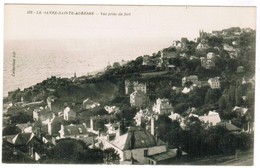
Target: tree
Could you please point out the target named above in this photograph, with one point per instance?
(111, 156)
(128, 112)
(232, 95)
(222, 102)
(215, 41)
(73, 151)
(11, 130)
(181, 107)
(90, 156)
(231, 65)
(214, 135)
(193, 64)
(212, 95)
(20, 118)
(98, 111)
(164, 127)
(192, 137)
(227, 143)
(163, 92)
(66, 149)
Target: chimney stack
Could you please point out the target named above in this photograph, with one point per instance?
(91, 124)
(49, 127)
(93, 142)
(120, 128)
(152, 125)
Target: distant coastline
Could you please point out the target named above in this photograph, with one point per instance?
(43, 58)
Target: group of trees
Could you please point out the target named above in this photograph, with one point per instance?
(200, 139)
(108, 87)
(76, 152)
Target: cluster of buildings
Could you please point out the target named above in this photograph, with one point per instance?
(179, 48)
(213, 83)
(134, 144)
(138, 96)
(137, 144)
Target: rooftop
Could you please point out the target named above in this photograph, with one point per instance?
(229, 126)
(165, 155)
(75, 129)
(135, 138)
(20, 139)
(212, 117)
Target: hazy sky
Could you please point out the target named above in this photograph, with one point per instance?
(47, 44)
(144, 22)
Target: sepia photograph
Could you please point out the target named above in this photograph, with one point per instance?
(129, 84)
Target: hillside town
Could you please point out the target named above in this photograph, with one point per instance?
(190, 101)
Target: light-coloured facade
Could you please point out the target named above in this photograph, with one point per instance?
(134, 86)
(211, 55)
(212, 118)
(139, 99)
(42, 114)
(214, 83)
(162, 106)
(69, 114)
(140, 87)
(207, 63)
(192, 78)
(136, 144)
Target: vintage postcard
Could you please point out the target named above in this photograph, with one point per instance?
(136, 84)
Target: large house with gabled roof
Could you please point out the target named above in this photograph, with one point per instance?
(78, 132)
(137, 144)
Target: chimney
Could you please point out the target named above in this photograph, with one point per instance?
(49, 100)
(152, 126)
(61, 131)
(132, 158)
(99, 133)
(49, 127)
(93, 142)
(156, 134)
(84, 124)
(91, 124)
(120, 128)
(132, 140)
(229, 121)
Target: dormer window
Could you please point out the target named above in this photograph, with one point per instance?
(80, 130)
(69, 131)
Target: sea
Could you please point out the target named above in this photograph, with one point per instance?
(30, 61)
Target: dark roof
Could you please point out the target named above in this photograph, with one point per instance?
(165, 155)
(88, 102)
(56, 123)
(228, 126)
(75, 130)
(46, 113)
(23, 125)
(103, 117)
(135, 138)
(138, 93)
(58, 119)
(20, 139)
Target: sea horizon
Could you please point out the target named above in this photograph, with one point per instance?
(28, 62)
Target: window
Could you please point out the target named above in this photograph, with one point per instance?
(145, 152)
(80, 130)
